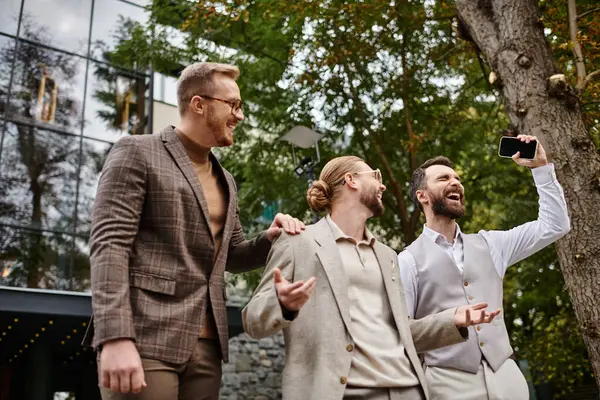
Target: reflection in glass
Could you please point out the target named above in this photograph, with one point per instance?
(34, 259)
(94, 155)
(6, 58)
(116, 103)
(63, 24)
(112, 18)
(47, 87)
(9, 17)
(81, 266)
(38, 177)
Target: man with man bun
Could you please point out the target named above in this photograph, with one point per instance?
(335, 292)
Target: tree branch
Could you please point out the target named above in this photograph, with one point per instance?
(588, 79)
(587, 13)
(577, 52)
(405, 100)
(481, 29)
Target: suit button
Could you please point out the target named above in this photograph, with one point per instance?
(478, 328)
(481, 344)
(343, 380)
(466, 283)
(470, 297)
(349, 347)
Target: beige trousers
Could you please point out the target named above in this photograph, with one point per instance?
(508, 383)
(357, 393)
(197, 379)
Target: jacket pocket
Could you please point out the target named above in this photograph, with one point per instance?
(152, 283)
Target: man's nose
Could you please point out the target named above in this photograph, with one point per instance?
(239, 115)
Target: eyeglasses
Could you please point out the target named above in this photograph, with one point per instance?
(236, 105)
(376, 174)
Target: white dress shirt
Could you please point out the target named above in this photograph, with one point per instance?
(506, 247)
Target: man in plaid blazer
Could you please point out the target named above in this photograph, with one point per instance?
(165, 227)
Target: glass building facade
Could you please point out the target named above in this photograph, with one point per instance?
(62, 106)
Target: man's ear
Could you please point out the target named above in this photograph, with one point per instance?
(422, 196)
(197, 105)
(349, 178)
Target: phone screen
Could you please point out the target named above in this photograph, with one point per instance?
(509, 146)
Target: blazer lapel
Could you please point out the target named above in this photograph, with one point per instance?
(227, 180)
(391, 276)
(175, 148)
(330, 259)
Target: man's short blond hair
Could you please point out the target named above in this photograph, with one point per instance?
(197, 79)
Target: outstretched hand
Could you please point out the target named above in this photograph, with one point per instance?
(474, 314)
(289, 224)
(292, 295)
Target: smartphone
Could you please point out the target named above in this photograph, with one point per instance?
(509, 146)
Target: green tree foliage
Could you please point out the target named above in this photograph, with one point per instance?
(393, 83)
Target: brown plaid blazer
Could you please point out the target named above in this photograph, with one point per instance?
(151, 250)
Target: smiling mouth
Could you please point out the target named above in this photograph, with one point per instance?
(454, 197)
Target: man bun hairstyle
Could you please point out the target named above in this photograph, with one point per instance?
(328, 187)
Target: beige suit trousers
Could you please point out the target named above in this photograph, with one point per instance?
(508, 383)
(358, 393)
(197, 379)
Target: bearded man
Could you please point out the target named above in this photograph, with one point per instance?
(446, 268)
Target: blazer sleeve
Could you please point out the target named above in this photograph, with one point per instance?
(263, 315)
(436, 330)
(246, 255)
(115, 220)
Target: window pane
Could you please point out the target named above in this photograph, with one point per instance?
(81, 266)
(111, 19)
(47, 88)
(63, 24)
(94, 155)
(9, 17)
(38, 170)
(34, 259)
(7, 51)
(116, 103)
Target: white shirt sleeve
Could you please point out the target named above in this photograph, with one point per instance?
(510, 247)
(410, 280)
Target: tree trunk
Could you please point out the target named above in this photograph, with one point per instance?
(509, 35)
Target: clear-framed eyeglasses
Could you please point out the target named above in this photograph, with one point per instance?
(376, 174)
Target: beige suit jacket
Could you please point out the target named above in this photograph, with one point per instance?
(318, 338)
(152, 253)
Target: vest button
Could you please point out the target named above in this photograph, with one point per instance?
(478, 328)
(349, 347)
(466, 283)
(343, 380)
(393, 278)
(481, 344)
(470, 297)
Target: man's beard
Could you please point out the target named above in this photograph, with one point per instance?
(441, 206)
(372, 202)
(218, 129)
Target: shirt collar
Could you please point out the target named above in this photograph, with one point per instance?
(438, 237)
(338, 234)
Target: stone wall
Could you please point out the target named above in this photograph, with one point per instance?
(254, 369)
(255, 366)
